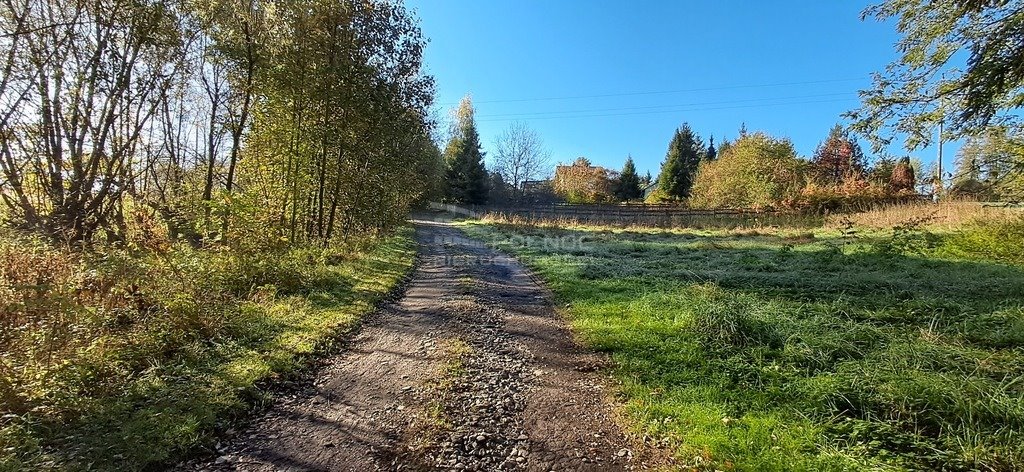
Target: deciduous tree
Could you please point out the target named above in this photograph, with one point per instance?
(520, 156)
(958, 64)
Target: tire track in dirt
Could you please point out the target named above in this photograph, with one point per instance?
(518, 395)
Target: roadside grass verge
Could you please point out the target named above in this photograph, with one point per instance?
(787, 349)
(130, 360)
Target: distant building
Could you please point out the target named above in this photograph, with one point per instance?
(534, 185)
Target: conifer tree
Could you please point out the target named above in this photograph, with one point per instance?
(838, 158)
(467, 178)
(712, 153)
(628, 187)
(681, 161)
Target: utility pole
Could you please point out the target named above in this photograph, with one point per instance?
(938, 178)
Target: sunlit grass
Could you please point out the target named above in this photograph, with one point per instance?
(789, 349)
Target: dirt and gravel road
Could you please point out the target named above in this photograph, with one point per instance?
(471, 369)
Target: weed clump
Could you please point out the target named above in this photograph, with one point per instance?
(726, 323)
(1000, 240)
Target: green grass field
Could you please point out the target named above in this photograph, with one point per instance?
(795, 350)
(127, 360)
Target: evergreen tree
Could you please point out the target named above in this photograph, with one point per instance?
(681, 161)
(499, 192)
(711, 153)
(743, 129)
(723, 148)
(647, 180)
(838, 158)
(628, 187)
(466, 177)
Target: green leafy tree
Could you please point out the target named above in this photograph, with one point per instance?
(681, 161)
(989, 166)
(466, 177)
(757, 171)
(628, 186)
(958, 64)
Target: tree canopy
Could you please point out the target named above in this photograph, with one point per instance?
(243, 118)
(756, 171)
(838, 158)
(959, 63)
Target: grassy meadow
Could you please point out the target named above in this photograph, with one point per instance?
(129, 359)
(886, 341)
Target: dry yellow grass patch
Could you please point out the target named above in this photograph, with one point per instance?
(949, 214)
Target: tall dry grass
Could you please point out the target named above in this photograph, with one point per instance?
(700, 222)
(945, 215)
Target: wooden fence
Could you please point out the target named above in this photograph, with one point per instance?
(619, 214)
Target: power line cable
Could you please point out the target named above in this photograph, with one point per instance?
(659, 92)
(591, 110)
(670, 111)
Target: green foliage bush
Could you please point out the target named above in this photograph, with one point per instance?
(757, 171)
(104, 350)
(1000, 240)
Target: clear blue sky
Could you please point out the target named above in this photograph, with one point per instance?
(605, 79)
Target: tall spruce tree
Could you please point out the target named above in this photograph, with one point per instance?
(467, 178)
(628, 187)
(681, 161)
(712, 153)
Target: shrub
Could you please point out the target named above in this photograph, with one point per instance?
(1001, 240)
(756, 171)
(851, 196)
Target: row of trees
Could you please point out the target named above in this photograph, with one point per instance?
(761, 171)
(241, 118)
(520, 158)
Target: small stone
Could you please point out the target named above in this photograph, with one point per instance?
(222, 460)
(622, 452)
(480, 437)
